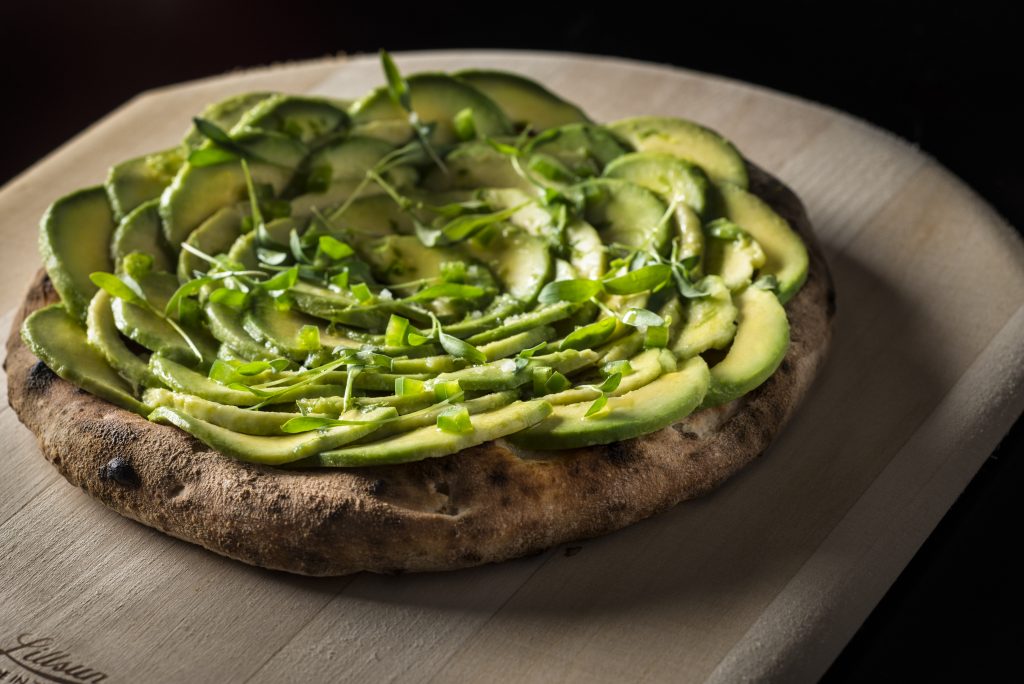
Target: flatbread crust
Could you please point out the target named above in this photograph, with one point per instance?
(484, 504)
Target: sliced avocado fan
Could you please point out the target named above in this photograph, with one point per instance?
(449, 260)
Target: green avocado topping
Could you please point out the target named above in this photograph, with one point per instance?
(452, 259)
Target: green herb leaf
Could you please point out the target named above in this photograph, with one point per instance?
(254, 200)
(540, 376)
(724, 229)
(642, 318)
(589, 336)
(550, 168)
(231, 298)
(210, 156)
(656, 336)
(137, 264)
(557, 383)
(449, 290)
(282, 282)
(447, 390)
(529, 352)
(767, 282)
(340, 280)
(271, 257)
(253, 368)
(397, 330)
(455, 419)
(223, 372)
(308, 424)
(507, 150)
(429, 237)
(596, 407)
(190, 288)
(610, 383)
(333, 247)
(460, 349)
(214, 133)
(405, 386)
(116, 287)
(361, 292)
(398, 88)
(464, 125)
(453, 271)
(622, 367)
(463, 227)
(309, 338)
(688, 289)
(295, 245)
(575, 290)
(640, 280)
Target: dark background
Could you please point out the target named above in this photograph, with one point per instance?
(948, 80)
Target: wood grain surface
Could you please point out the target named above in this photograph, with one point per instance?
(764, 579)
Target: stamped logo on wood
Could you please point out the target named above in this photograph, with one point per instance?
(31, 659)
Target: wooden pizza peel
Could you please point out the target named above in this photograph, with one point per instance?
(767, 578)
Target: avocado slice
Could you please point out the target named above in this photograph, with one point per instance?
(308, 119)
(103, 336)
(233, 418)
(199, 191)
(426, 417)
(669, 176)
(373, 216)
(518, 322)
(735, 260)
(279, 329)
(225, 113)
(225, 325)
(521, 262)
(526, 102)
(187, 381)
(142, 179)
(60, 342)
(670, 398)
(513, 344)
(584, 149)
(436, 99)
(715, 155)
(335, 406)
(272, 450)
(351, 157)
(144, 327)
(476, 164)
(142, 231)
(675, 181)
(708, 322)
(398, 132)
(762, 337)
(214, 236)
(785, 253)
(431, 442)
(74, 241)
(627, 214)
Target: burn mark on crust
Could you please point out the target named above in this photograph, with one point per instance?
(39, 377)
(620, 454)
(119, 469)
(498, 505)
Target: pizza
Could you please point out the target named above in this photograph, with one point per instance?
(453, 322)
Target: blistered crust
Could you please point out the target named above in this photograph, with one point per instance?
(484, 504)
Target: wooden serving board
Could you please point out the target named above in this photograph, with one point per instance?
(767, 578)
